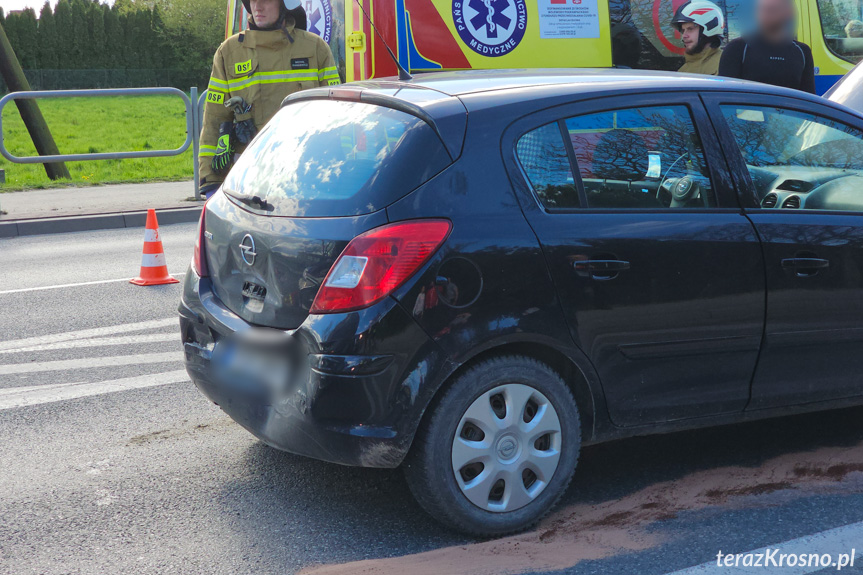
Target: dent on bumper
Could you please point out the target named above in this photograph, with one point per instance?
(290, 427)
(354, 401)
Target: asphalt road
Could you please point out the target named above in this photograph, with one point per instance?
(111, 461)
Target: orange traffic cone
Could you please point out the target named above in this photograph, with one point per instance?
(154, 269)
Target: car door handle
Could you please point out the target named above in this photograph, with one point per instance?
(600, 269)
(805, 267)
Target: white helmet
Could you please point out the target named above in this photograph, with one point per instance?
(703, 13)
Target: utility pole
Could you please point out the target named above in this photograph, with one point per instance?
(13, 75)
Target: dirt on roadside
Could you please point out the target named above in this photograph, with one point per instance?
(596, 531)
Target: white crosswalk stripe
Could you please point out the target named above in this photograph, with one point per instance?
(85, 350)
(87, 362)
(25, 396)
(88, 333)
(98, 342)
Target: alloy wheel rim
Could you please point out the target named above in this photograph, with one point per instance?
(506, 448)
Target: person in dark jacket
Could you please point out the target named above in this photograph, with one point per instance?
(771, 55)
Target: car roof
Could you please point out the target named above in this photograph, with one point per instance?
(443, 99)
(573, 80)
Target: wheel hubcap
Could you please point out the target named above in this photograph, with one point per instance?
(506, 448)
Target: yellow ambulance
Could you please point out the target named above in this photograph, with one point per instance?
(428, 35)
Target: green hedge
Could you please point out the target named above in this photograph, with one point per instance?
(84, 44)
(114, 78)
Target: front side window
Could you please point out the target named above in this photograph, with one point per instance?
(645, 157)
(842, 25)
(798, 160)
(543, 156)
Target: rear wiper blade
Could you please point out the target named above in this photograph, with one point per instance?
(258, 201)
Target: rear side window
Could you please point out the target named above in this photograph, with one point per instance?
(543, 156)
(321, 158)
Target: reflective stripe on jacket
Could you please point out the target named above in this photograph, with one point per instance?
(262, 66)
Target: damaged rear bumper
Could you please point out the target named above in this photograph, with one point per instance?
(357, 389)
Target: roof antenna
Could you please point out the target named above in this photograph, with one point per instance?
(404, 75)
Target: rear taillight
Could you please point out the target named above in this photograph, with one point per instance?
(199, 260)
(377, 262)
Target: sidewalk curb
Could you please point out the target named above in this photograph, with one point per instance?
(65, 224)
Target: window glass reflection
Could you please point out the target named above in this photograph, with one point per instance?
(798, 160)
(544, 158)
(331, 158)
(641, 158)
(842, 25)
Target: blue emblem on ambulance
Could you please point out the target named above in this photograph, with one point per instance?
(319, 16)
(490, 27)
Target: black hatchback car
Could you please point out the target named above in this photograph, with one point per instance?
(474, 274)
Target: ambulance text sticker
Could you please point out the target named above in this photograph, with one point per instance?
(568, 19)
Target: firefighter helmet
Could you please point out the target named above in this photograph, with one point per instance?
(293, 8)
(702, 13)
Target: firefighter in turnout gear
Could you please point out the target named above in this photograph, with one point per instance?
(253, 71)
(701, 25)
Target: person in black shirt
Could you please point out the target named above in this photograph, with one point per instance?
(771, 55)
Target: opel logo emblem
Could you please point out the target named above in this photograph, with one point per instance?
(247, 249)
(507, 448)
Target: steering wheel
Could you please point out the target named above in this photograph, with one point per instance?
(671, 167)
(681, 190)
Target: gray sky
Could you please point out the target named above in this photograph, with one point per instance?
(9, 5)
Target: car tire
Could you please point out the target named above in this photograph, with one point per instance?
(456, 497)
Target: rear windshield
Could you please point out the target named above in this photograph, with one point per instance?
(322, 158)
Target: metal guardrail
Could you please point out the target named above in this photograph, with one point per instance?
(197, 123)
(193, 105)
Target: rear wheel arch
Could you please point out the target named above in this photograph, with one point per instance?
(583, 389)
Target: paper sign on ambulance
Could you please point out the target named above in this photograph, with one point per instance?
(568, 19)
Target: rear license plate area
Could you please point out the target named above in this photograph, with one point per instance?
(252, 366)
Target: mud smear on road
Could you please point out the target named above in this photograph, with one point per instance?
(179, 433)
(597, 531)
